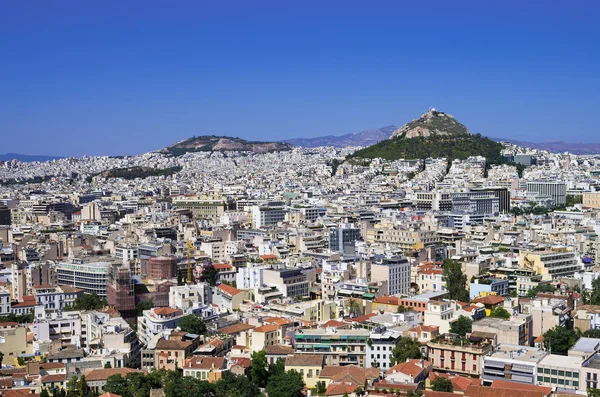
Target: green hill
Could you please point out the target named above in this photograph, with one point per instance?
(436, 146)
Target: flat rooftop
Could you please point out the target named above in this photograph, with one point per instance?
(519, 353)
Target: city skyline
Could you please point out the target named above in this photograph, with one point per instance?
(123, 80)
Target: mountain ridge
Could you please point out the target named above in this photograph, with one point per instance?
(213, 143)
(362, 138)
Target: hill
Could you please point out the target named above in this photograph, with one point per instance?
(363, 138)
(27, 158)
(432, 123)
(434, 134)
(222, 143)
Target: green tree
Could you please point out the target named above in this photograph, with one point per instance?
(44, 393)
(593, 297)
(401, 309)
(442, 384)
(406, 348)
(544, 288)
(277, 368)
(258, 369)
(593, 392)
(321, 388)
(209, 275)
(107, 365)
(559, 340)
(353, 307)
(456, 280)
(193, 324)
(288, 384)
(236, 386)
(88, 302)
(591, 333)
(82, 386)
(500, 312)
(140, 307)
(116, 384)
(462, 326)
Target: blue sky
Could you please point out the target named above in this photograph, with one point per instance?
(132, 76)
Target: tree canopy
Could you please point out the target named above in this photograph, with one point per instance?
(559, 340)
(288, 384)
(89, 302)
(500, 312)
(258, 369)
(442, 384)
(192, 324)
(462, 326)
(456, 280)
(406, 348)
(547, 288)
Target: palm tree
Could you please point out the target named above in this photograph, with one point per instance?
(353, 307)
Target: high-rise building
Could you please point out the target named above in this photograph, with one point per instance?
(121, 293)
(396, 271)
(343, 237)
(4, 215)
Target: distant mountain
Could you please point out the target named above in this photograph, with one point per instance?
(557, 146)
(27, 158)
(435, 134)
(363, 138)
(431, 123)
(223, 143)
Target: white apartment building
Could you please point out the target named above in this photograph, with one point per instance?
(250, 277)
(190, 296)
(379, 350)
(91, 277)
(157, 320)
(555, 189)
(267, 215)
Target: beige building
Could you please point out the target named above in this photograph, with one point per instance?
(591, 200)
(13, 342)
(307, 365)
(257, 339)
(516, 331)
(465, 359)
(205, 368)
(551, 264)
(203, 208)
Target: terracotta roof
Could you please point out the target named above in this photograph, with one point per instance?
(351, 373)
(339, 389)
(431, 393)
(243, 362)
(166, 311)
(506, 384)
(279, 350)
(205, 362)
(222, 266)
(108, 394)
(47, 366)
(235, 328)
(335, 324)
(9, 324)
(54, 378)
(228, 289)
(482, 391)
(539, 339)
(304, 360)
(277, 320)
(173, 344)
(267, 328)
(490, 300)
(410, 367)
(103, 373)
(363, 318)
(388, 300)
(268, 256)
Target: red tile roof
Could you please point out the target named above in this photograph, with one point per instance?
(229, 289)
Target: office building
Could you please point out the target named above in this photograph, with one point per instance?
(92, 277)
(396, 271)
(555, 189)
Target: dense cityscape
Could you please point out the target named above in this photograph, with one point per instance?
(292, 271)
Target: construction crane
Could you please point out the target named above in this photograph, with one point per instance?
(189, 247)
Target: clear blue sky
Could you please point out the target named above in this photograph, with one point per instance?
(125, 77)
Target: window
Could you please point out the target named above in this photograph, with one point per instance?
(575, 383)
(540, 378)
(546, 379)
(547, 370)
(553, 380)
(553, 372)
(568, 374)
(540, 371)
(561, 373)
